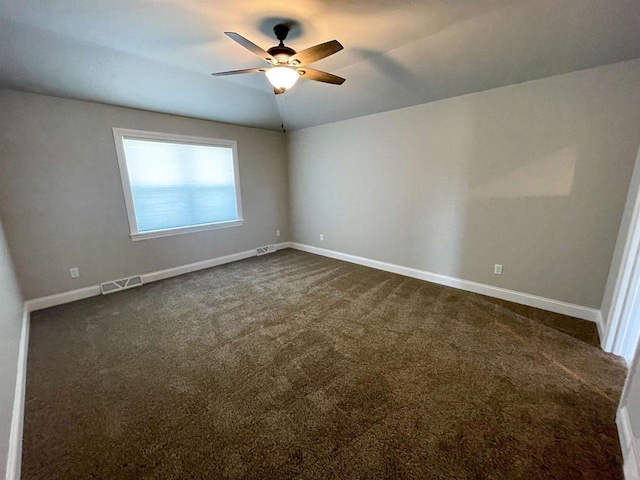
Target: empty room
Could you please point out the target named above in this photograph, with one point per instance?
(319, 240)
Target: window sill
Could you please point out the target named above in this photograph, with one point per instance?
(182, 230)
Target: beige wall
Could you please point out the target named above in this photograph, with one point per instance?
(63, 203)
(532, 176)
(10, 325)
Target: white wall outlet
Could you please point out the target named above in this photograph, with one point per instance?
(75, 272)
(322, 237)
(277, 233)
(497, 269)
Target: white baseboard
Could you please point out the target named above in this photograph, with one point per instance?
(601, 333)
(60, 298)
(14, 457)
(551, 305)
(94, 290)
(543, 303)
(630, 446)
(192, 267)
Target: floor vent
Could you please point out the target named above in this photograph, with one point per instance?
(117, 285)
(267, 249)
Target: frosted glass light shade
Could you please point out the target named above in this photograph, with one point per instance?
(282, 77)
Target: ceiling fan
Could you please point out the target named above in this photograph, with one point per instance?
(287, 65)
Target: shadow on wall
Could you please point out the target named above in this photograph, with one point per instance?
(541, 191)
(551, 176)
(530, 219)
(530, 176)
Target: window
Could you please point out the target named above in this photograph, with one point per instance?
(177, 184)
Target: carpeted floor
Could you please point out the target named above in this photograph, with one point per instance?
(295, 366)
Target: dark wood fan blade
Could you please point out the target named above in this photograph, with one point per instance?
(278, 91)
(252, 47)
(320, 76)
(313, 54)
(236, 72)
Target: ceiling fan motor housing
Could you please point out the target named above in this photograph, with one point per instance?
(281, 53)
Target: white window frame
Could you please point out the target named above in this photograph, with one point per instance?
(119, 134)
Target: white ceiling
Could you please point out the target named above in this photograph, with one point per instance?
(158, 54)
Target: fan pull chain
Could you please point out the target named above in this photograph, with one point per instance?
(282, 112)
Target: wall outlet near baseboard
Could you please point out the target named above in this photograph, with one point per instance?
(322, 237)
(497, 269)
(74, 272)
(277, 233)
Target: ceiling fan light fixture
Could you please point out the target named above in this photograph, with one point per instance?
(282, 77)
(285, 64)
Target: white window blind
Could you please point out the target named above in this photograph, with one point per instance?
(176, 184)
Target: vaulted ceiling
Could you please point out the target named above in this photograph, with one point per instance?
(158, 54)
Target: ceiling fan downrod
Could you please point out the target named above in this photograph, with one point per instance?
(281, 32)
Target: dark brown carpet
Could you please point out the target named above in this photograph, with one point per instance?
(297, 366)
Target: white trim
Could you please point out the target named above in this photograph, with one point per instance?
(180, 230)
(94, 290)
(543, 303)
(617, 316)
(14, 457)
(630, 446)
(119, 134)
(192, 267)
(600, 324)
(624, 430)
(626, 295)
(60, 298)
(118, 137)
